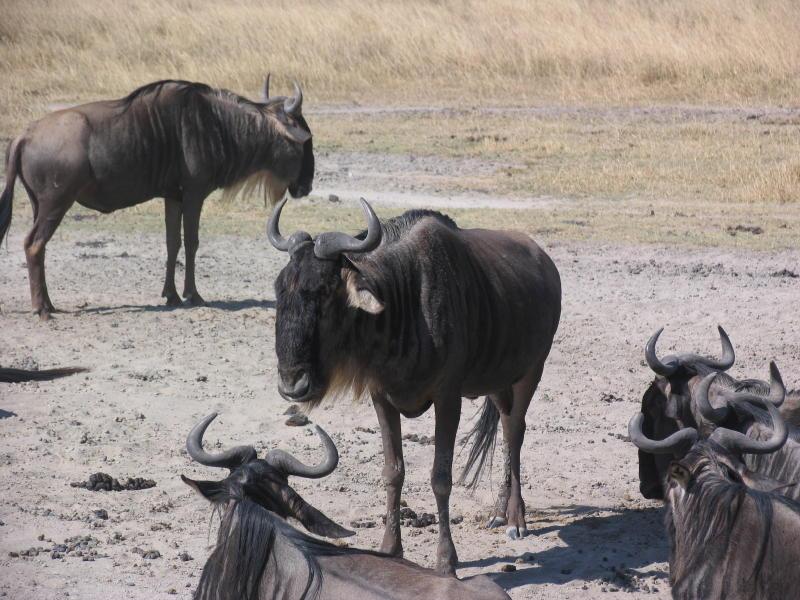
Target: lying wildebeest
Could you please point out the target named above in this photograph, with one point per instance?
(419, 312)
(8, 375)
(667, 403)
(259, 556)
(728, 541)
(172, 139)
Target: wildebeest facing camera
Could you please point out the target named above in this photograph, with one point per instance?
(546, 183)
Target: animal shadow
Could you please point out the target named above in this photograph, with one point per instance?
(6, 414)
(226, 305)
(600, 544)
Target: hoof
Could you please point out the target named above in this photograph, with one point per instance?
(495, 522)
(516, 533)
(172, 299)
(45, 315)
(194, 300)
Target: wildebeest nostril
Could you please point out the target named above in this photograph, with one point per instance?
(294, 385)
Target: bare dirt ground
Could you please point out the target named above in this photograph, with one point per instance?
(155, 371)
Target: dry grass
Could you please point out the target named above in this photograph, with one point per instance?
(508, 51)
(691, 155)
(549, 54)
(583, 220)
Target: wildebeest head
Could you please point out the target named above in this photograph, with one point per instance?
(667, 403)
(293, 155)
(318, 293)
(264, 481)
(725, 422)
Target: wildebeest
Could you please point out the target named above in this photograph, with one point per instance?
(172, 139)
(9, 375)
(728, 541)
(419, 313)
(667, 404)
(259, 556)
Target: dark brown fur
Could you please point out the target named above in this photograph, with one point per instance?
(432, 314)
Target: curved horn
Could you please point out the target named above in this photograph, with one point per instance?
(777, 391)
(229, 459)
(700, 397)
(294, 105)
(273, 232)
(674, 444)
(728, 356)
(332, 244)
(265, 91)
(654, 362)
(739, 443)
(291, 466)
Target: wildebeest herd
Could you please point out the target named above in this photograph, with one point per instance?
(414, 312)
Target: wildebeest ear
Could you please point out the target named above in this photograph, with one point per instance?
(317, 523)
(760, 482)
(209, 490)
(289, 129)
(358, 293)
(680, 474)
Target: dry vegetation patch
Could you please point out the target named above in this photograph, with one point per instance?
(506, 50)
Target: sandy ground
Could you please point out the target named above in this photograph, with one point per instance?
(155, 371)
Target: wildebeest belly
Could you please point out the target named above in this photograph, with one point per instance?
(110, 201)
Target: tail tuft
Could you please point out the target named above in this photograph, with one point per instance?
(483, 436)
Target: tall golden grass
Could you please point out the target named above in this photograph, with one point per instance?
(508, 51)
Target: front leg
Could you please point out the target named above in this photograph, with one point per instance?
(192, 207)
(448, 414)
(172, 220)
(393, 471)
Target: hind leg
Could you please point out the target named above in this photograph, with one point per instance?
(48, 216)
(513, 436)
(503, 400)
(172, 220)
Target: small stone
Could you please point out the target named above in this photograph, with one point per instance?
(185, 556)
(297, 420)
(423, 520)
(507, 568)
(333, 198)
(455, 520)
(362, 523)
(151, 555)
(13, 554)
(40, 537)
(100, 513)
(202, 378)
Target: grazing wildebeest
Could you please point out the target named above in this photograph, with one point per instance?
(172, 139)
(259, 556)
(728, 540)
(8, 375)
(667, 403)
(419, 312)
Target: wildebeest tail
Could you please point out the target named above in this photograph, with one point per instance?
(483, 436)
(20, 375)
(7, 197)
